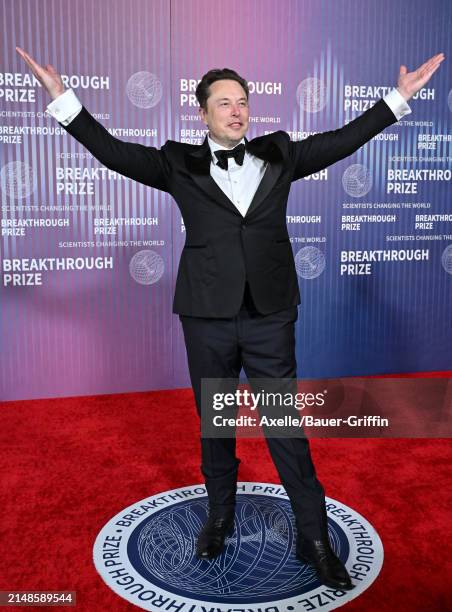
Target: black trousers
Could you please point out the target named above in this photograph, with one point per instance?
(265, 346)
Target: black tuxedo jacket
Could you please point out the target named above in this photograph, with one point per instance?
(223, 249)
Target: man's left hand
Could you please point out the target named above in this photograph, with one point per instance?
(411, 82)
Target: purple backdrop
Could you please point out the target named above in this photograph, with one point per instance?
(135, 65)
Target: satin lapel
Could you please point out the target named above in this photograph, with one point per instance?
(209, 186)
(198, 164)
(266, 149)
(267, 183)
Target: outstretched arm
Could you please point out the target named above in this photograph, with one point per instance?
(147, 165)
(321, 150)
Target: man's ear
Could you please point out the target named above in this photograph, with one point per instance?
(202, 114)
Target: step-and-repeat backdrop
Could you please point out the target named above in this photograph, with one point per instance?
(89, 258)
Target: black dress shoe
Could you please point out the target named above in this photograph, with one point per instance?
(211, 539)
(330, 570)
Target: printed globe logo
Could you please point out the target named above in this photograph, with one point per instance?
(449, 100)
(357, 180)
(311, 95)
(146, 554)
(17, 180)
(166, 548)
(146, 267)
(446, 259)
(309, 262)
(144, 89)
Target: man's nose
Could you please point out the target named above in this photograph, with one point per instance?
(235, 109)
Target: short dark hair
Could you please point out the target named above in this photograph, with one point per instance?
(217, 74)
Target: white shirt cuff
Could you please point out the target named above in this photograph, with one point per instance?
(397, 103)
(65, 108)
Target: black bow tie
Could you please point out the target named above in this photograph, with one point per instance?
(238, 153)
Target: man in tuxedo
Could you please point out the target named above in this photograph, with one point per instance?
(237, 290)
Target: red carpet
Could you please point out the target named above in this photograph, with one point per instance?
(68, 465)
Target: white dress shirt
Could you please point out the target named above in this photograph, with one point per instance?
(238, 183)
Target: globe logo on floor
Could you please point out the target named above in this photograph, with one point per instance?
(146, 554)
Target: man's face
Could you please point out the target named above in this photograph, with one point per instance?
(227, 113)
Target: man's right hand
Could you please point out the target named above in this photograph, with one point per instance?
(46, 75)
